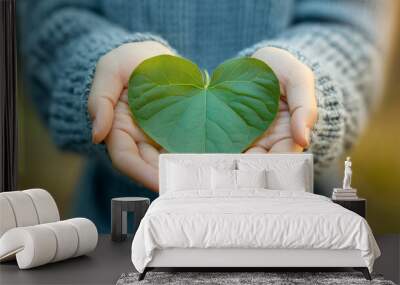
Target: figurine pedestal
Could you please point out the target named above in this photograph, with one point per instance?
(341, 190)
(344, 194)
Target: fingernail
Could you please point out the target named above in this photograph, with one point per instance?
(307, 135)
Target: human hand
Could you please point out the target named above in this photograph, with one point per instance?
(290, 131)
(130, 150)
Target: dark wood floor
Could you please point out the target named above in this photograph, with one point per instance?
(110, 260)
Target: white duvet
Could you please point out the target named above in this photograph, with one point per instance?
(253, 218)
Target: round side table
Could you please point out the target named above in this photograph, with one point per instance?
(119, 209)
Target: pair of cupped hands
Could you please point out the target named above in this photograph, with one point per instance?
(136, 155)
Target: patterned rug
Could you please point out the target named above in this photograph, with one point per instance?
(243, 278)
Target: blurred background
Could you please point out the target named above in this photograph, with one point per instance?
(376, 157)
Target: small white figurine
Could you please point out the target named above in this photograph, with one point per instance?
(347, 174)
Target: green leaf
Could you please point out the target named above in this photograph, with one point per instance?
(183, 110)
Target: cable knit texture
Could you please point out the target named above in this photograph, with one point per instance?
(62, 40)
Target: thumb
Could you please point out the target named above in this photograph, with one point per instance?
(302, 121)
(105, 92)
(300, 92)
(111, 77)
(103, 115)
(297, 81)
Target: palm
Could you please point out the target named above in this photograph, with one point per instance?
(278, 137)
(131, 150)
(136, 155)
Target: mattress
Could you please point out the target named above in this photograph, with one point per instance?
(250, 219)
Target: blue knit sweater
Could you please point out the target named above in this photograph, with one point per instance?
(63, 39)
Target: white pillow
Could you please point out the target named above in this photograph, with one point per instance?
(251, 178)
(282, 174)
(227, 179)
(223, 179)
(185, 177)
(291, 180)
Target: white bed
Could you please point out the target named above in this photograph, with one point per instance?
(194, 223)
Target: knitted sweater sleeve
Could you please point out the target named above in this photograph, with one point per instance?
(62, 40)
(334, 38)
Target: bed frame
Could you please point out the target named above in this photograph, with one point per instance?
(236, 259)
(233, 259)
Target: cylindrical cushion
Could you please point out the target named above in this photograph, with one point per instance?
(87, 233)
(45, 205)
(7, 218)
(67, 239)
(33, 246)
(23, 208)
(45, 243)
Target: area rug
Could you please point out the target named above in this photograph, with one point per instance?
(243, 278)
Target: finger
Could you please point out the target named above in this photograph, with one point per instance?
(148, 49)
(302, 121)
(102, 120)
(297, 85)
(125, 156)
(286, 145)
(111, 77)
(149, 154)
(105, 92)
(300, 92)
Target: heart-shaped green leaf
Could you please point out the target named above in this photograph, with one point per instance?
(180, 108)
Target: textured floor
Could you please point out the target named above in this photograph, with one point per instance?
(232, 278)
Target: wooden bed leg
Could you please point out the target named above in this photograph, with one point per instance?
(143, 274)
(364, 271)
